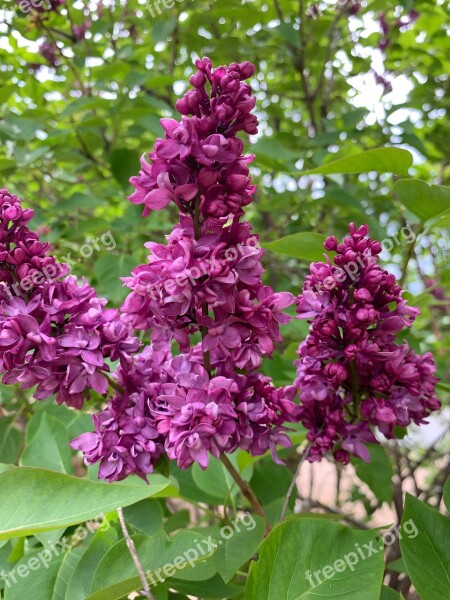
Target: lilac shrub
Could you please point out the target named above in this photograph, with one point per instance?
(205, 280)
(195, 390)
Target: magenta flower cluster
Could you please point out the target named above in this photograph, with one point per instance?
(55, 333)
(353, 375)
(196, 390)
(206, 280)
(171, 404)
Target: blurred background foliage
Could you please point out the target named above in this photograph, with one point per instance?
(83, 89)
(81, 94)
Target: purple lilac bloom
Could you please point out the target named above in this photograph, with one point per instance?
(56, 333)
(50, 51)
(171, 404)
(205, 279)
(201, 156)
(353, 376)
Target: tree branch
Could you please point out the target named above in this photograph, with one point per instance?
(246, 490)
(304, 456)
(134, 555)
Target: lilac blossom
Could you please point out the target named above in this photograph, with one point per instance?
(353, 376)
(56, 334)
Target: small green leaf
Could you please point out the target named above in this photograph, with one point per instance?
(235, 551)
(80, 583)
(216, 480)
(305, 245)
(116, 576)
(145, 516)
(426, 555)
(10, 441)
(380, 160)
(388, 593)
(124, 163)
(211, 588)
(447, 494)
(7, 163)
(377, 474)
(49, 447)
(69, 563)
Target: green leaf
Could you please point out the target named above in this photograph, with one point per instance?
(80, 583)
(312, 558)
(380, 160)
(388, 593)
(240, 547)
(145, 516)
(10, 441)
(69, 563)
(77, 202)
(6, 163)
(124, 163)
(44, 500)
(426, 555)
(211, 588)
(423, 200)
(377, 474)
(109, 268)
(116, 575)
(215, 480)
(305, 245)
(35, 572)
(49, 447)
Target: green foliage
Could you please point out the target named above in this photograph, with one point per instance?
(59, 499)
(380, 160)
(333, 148)
(299, 560)
(426, 556)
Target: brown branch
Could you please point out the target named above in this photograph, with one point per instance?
(246, 490)
(304, 456)
(113, 383)
(134, 555)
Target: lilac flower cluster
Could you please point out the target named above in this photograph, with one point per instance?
(201, 160)
(205, 280)
(171, 404)
(352, 374)
(55, 333)
(199, 166)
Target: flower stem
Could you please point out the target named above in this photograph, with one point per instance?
(134, 555)
(303, 457)
(246, 490)
(113, 383)
(205, 310)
